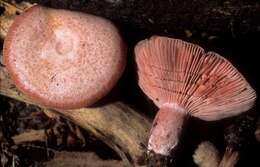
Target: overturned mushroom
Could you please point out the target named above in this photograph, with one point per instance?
(183, 80)
(63, 59)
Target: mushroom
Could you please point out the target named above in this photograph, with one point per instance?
(183, 80)
(206, 155)
(63, 59)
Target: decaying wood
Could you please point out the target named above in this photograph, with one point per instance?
(116, 124)
(30, 136)
(81, 159)
(11, 10)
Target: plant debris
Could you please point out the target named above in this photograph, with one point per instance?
(206, 155)
(29, 138)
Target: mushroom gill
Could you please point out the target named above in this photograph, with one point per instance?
(183, 80)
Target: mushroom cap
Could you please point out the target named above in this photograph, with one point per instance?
(176, 73)
(63, 59)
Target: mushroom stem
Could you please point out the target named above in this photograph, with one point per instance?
(166, 130)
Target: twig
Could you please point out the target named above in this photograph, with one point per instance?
(230, 158)
(30, 136)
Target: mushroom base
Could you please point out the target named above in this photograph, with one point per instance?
(158, 160)
(166, 130)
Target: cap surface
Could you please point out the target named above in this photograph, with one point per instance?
(182, 74)
(63, 59)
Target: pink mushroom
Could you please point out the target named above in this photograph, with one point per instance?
(183, 80)
(63, 59)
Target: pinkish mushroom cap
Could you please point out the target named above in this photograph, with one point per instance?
(63, 59)
(183, 80)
